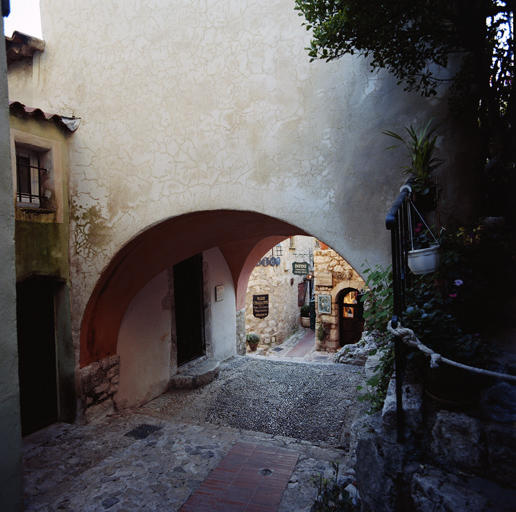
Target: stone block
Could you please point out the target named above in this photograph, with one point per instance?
(412, 399)
(436, 490)
(501, 452)
(333, 346)
(455, 440)
(377, 487)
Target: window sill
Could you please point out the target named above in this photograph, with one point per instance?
(36, 210)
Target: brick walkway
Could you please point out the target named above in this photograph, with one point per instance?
(304, 346)
(250, 478)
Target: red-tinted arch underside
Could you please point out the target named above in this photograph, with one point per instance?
(243, 237)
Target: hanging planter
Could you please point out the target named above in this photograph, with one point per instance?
(424, 261)
(423, 258)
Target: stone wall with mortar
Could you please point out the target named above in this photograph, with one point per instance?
(332, 273)
(282, 287)
(99, 383)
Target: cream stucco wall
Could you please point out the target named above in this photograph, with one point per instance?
(220, 314)
(144, 345)
(146, 342)
(213, 104)
(10, 446)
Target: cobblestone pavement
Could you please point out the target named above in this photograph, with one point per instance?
(303, 407)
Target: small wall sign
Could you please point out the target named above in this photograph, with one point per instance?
(261, 305)
(300, 268)
(219, 293)
(324, 279)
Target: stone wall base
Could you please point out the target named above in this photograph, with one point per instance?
(448, 461)
(240, 332)
(98, 384)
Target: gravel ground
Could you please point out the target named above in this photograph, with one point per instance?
(307, 401)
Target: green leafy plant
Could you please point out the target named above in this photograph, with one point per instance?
(422, 237)
(378, 298)
(378, 302)
(428, 314)
(331, 494)
(477, 276)
(323, 330)
(376, 386)
(253, 340)
(305, 311)
(421, 146)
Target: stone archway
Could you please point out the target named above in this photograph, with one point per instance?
(128, 325)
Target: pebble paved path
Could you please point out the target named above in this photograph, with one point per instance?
(97, 467)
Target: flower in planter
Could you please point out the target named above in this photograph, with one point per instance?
(422, 237)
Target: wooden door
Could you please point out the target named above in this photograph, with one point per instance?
(189, 301)
(351, 323)
(36, 354)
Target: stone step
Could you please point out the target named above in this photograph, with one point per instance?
(197, 375)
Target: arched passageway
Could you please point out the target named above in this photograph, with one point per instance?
(241, 236)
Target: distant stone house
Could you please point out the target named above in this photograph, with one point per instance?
(333, 285)
(285, 291)
(337, 299)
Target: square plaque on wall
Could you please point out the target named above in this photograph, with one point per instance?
(323, 279)
(219, 293)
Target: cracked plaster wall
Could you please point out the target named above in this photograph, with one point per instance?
(214, 104)
(11, 478)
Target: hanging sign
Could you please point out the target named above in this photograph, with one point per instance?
(260, 306)
(301, 292)
(300, 268)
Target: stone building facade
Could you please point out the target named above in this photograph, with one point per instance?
(283, 289)
(334, 280)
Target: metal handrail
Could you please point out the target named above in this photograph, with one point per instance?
(397, 222)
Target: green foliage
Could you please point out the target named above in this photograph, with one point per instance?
(404, 36)
(376, 386)
(414, 40)
(323, 330)
(421, 147)
(429, 316)
(378, 298)
(252, 338)
(378, 301)
(477, 276)
(305, 311)
(331, 495)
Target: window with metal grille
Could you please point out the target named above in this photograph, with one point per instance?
(29, 178)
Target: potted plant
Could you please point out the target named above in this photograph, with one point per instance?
(305, 315)
(423, 258)
(421, 145)
(253, 340)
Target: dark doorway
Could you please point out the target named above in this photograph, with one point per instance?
(351, 323)
(188, 294)
(37, 354)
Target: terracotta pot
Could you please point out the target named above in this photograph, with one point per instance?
(305, 321)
